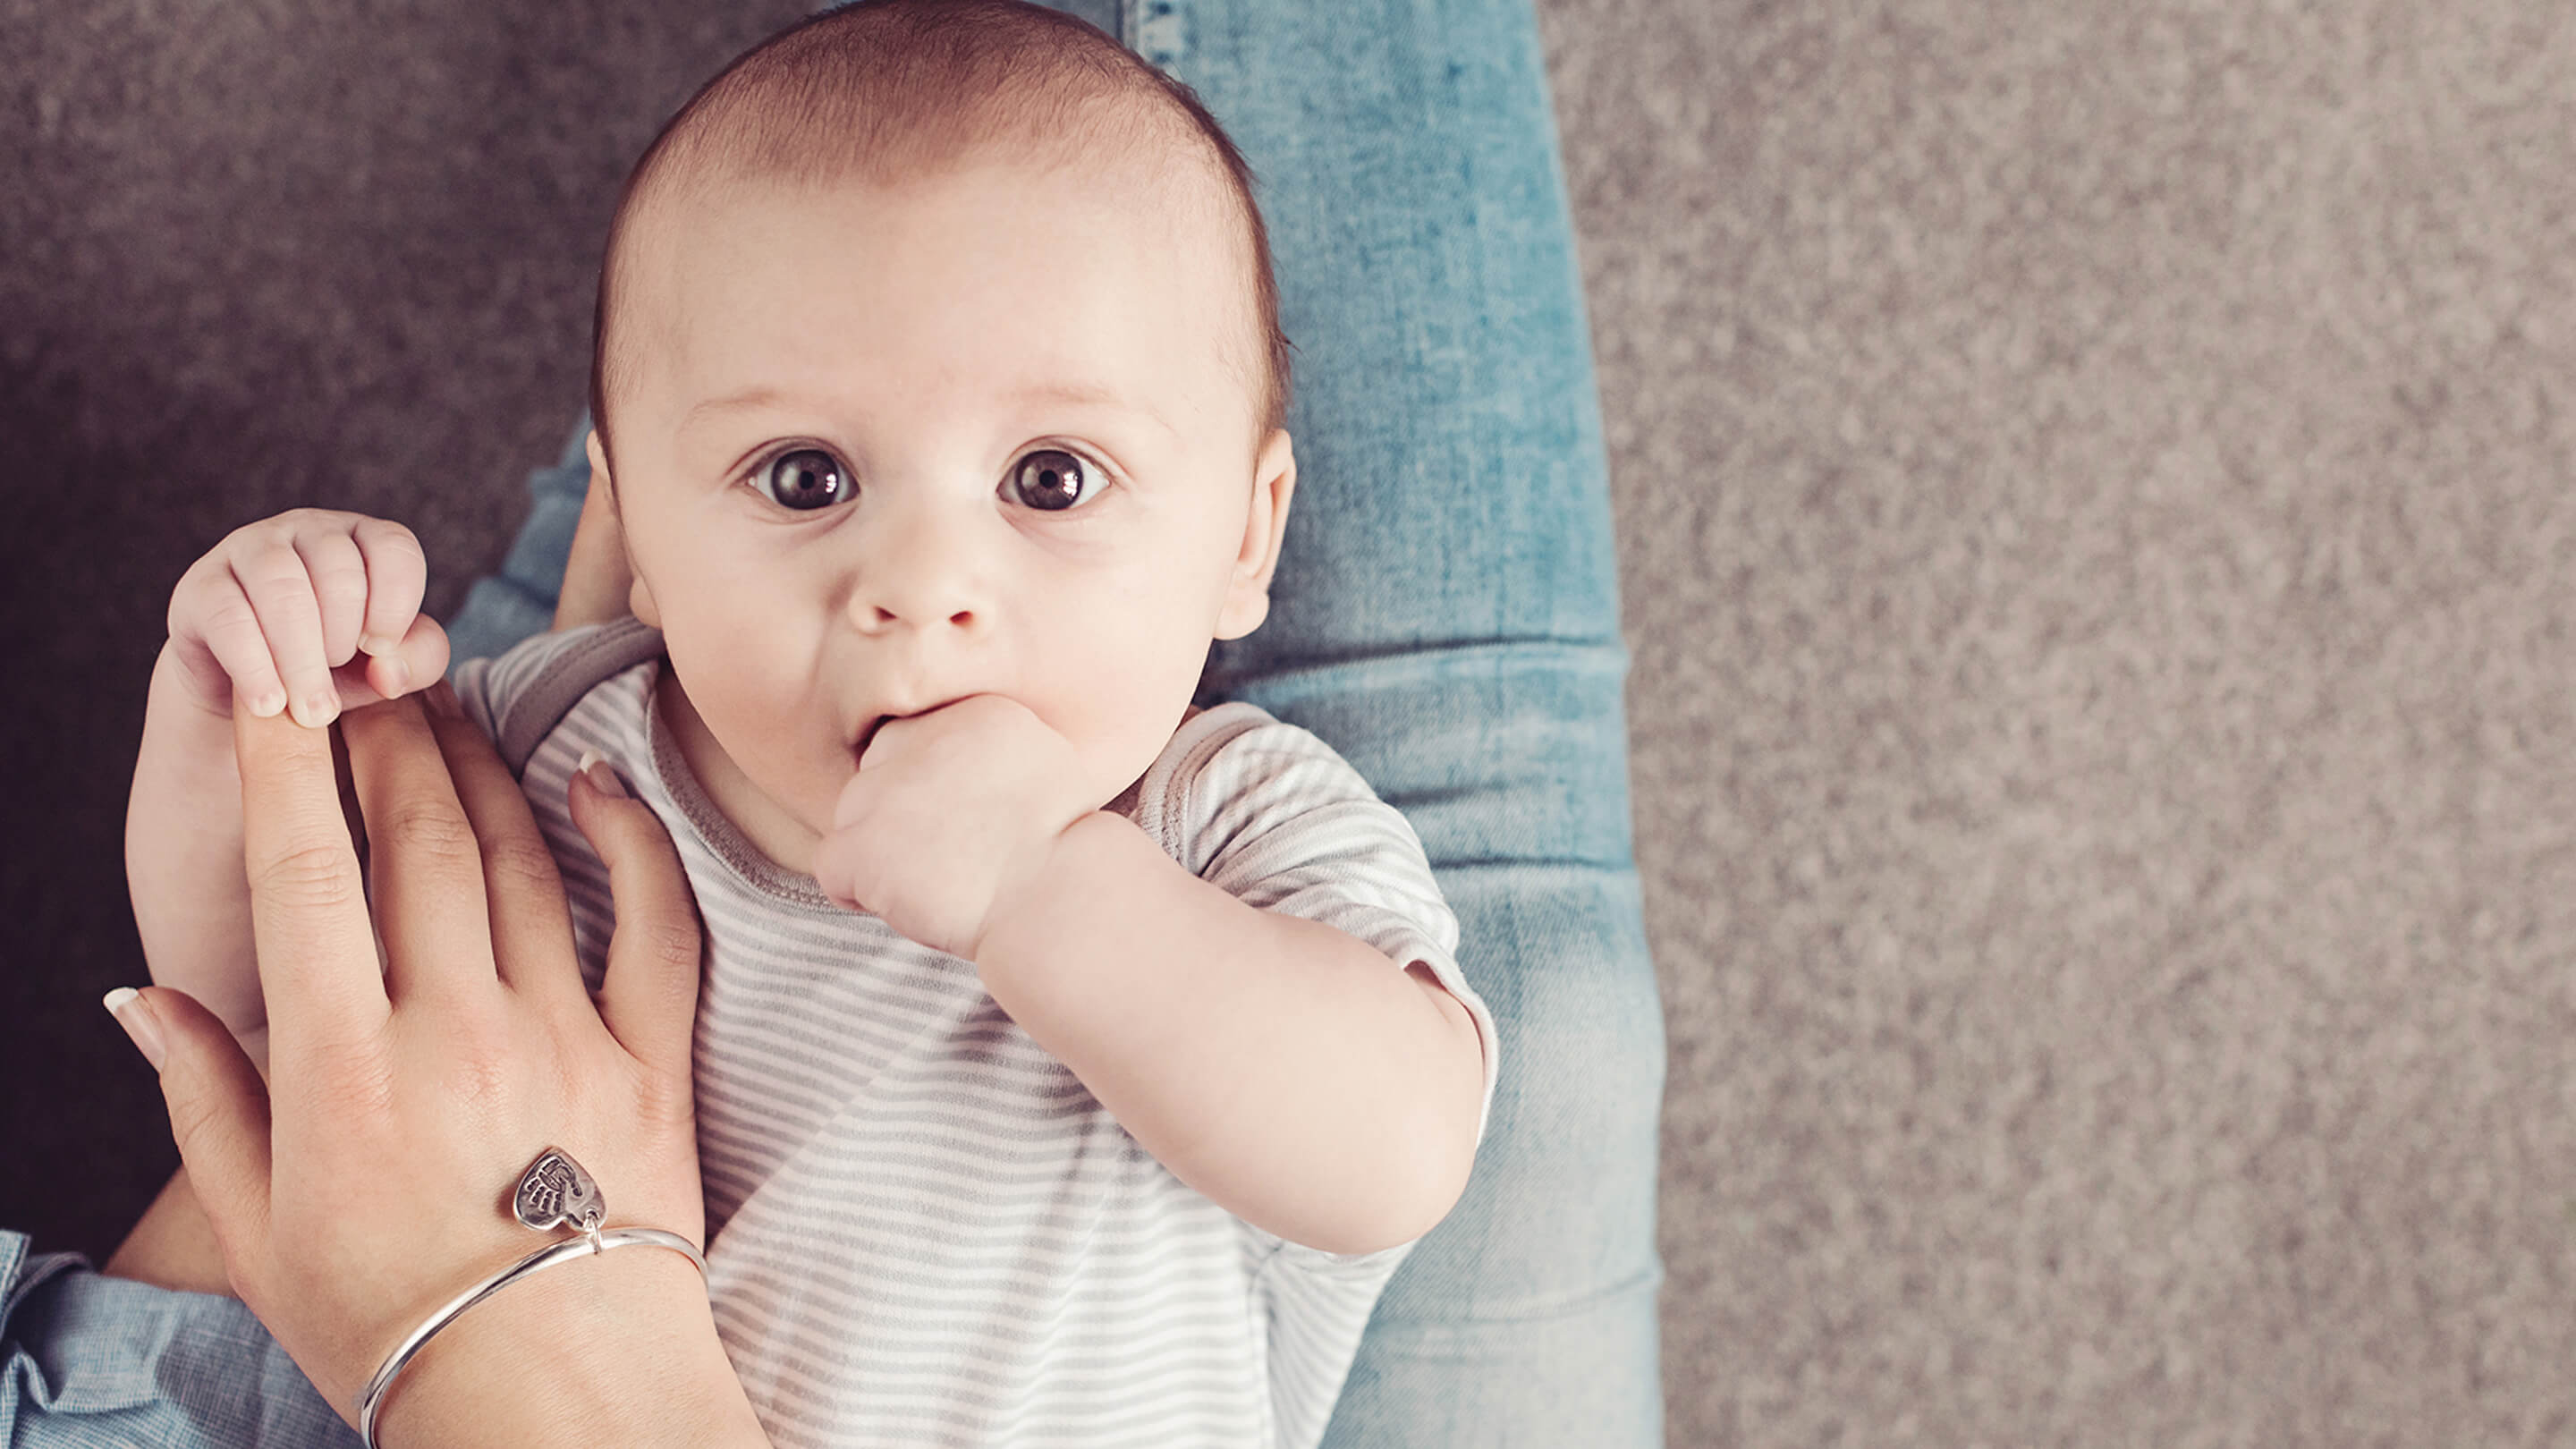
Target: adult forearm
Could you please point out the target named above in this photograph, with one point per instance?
(617, 1351)
(1285, 1069)
(183, 854)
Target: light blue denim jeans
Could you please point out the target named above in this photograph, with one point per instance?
(1445, 614)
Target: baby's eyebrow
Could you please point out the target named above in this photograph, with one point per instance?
(1078, 394)
(753, 397)
(1084, 396)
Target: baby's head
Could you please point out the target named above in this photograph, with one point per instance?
(937, 354)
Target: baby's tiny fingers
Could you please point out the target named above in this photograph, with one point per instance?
(840, 861)
(271, 574)
(226, 628)
(340, 587)
(397, 575)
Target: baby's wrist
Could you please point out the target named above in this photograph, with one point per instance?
(1026, 909)
(208, 719)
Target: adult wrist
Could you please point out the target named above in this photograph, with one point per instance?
(614, 1349)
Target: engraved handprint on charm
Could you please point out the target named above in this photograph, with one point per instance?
(555, 1191)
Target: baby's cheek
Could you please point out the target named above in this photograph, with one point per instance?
(1127, 733)
(773, 734)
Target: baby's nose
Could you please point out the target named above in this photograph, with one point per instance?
(923, 570)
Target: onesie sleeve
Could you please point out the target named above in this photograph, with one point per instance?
(486, 688)
(1270, 813)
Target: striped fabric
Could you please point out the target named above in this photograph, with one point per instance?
(922, 1228)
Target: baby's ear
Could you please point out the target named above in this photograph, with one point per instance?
(598, 571)
(1265, 524)
(599, 480)
(639, 602)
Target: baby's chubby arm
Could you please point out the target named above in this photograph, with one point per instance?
(1282, 1067)
(1285, 1069)
(312, 611)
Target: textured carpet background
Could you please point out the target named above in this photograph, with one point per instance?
(2094, 505)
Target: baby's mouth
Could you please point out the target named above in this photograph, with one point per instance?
(859, 751)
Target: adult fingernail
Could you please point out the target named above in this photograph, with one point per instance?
(441, 699)
(135, 1014)
(602, 778)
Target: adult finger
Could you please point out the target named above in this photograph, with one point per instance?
(427, 868)
(650, 996)
(308, 905)
(531, 925)
(419, 658)
(218, 1105)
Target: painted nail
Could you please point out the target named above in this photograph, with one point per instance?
(602, 778)
(135, 1014)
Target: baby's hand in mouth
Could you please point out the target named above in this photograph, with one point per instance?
(950, 811)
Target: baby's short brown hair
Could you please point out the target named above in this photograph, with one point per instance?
(890, 89)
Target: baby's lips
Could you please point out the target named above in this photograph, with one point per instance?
(859, 749)
(867, 736)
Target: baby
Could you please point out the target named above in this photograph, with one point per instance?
(1074, 1065)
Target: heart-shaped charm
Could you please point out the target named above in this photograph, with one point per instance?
(555, 1191)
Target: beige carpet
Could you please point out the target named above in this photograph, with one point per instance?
(2095, 508)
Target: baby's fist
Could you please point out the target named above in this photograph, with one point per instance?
(276, 614)
(951, 813)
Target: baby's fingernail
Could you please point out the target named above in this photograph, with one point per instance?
(602, 778)
(316, 710)
(265, 703)
(375, 644)
(397, 673)
(136, 1015)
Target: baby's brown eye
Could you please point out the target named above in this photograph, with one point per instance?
(804, 479)
(1053, 479)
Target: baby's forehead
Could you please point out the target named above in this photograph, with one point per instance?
(1167, 206)
(1178, 250)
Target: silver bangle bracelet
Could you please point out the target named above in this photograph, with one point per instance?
(594, 1240)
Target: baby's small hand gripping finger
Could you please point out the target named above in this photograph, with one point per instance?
(272, 616)
(368, 576)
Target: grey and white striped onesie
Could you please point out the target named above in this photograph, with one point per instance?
(922, 1228)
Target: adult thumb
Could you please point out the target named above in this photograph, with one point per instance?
(218, 1105)
(649, 996)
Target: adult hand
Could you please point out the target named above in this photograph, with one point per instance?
(368, 1181)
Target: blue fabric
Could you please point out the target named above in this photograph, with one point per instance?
(1445, 615)
(102, 1363)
